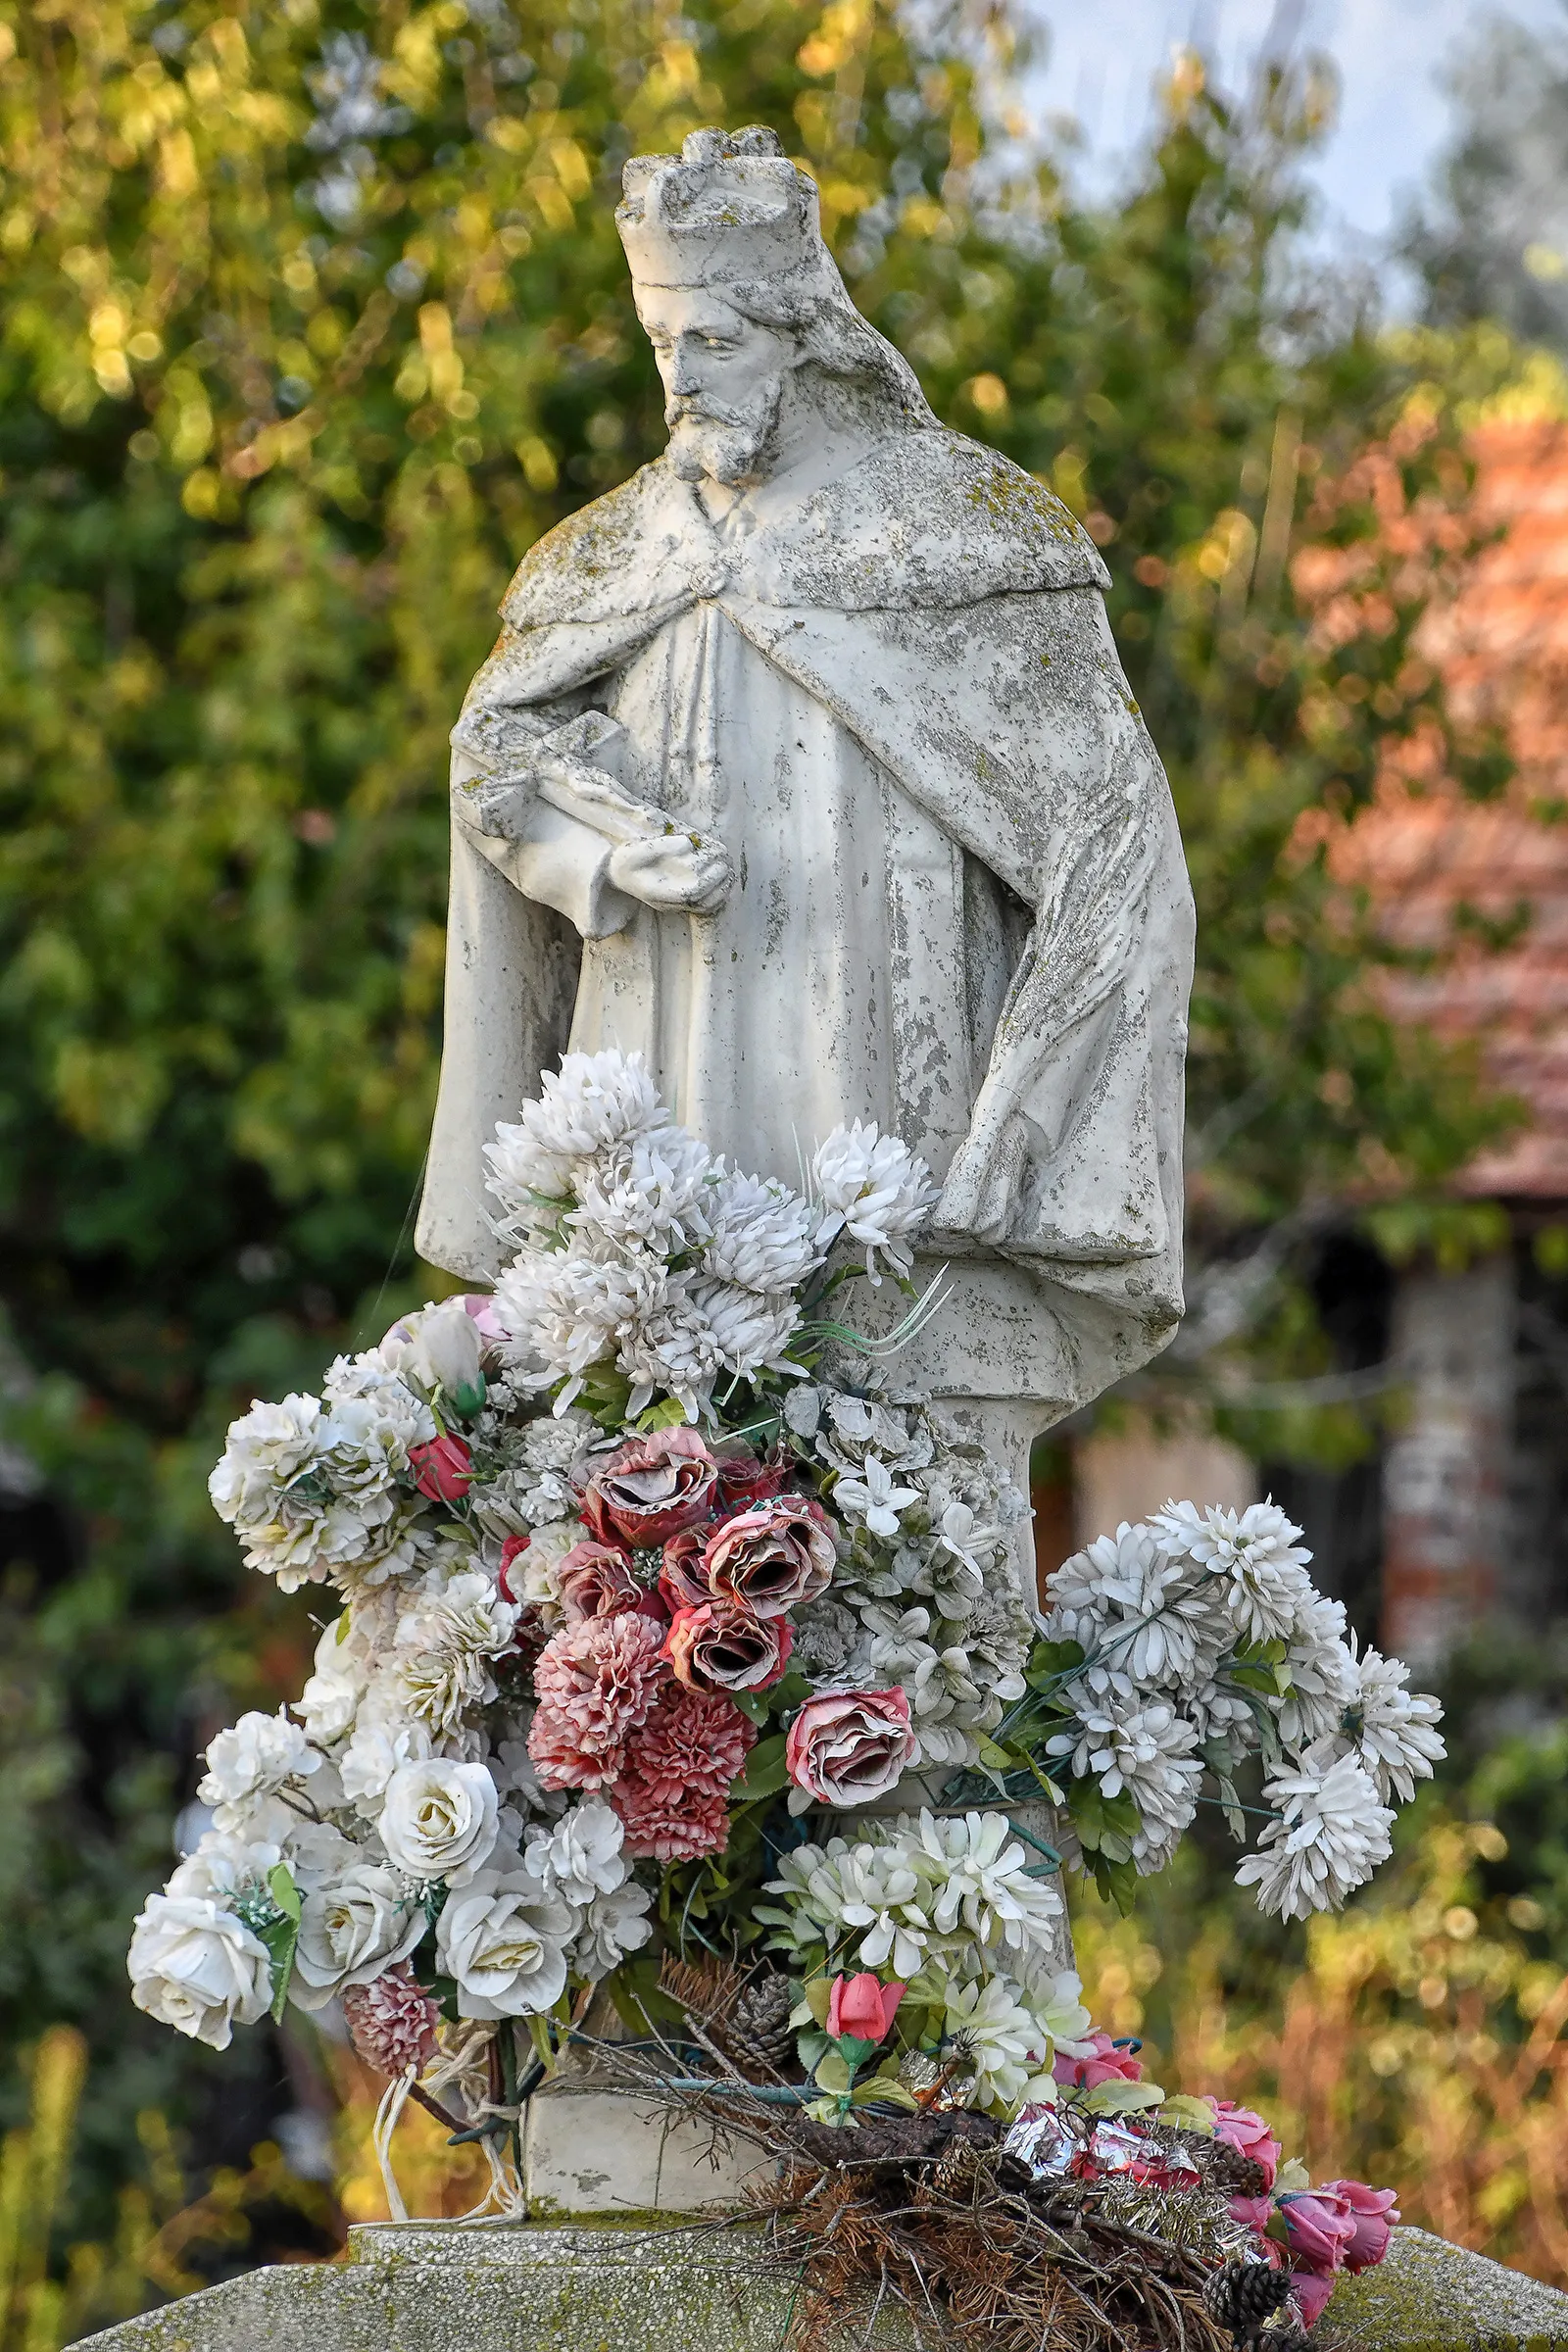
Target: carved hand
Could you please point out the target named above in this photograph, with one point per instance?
(672, 870)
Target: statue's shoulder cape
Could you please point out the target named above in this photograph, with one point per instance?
(926, 519)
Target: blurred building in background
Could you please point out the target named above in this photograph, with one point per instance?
(1461, 1513)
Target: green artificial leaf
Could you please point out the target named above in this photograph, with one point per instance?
(1052, 1662)
(1117, 2097)
(811, 2049)
(666, 1414)
(765, 1774)
(833, 2071)
(283, 1891)
(1292, 2178)
(886, 2092)
(1186, 2113)
(818, 1998)
(996, 1758)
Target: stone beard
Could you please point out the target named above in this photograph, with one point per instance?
(805, 764)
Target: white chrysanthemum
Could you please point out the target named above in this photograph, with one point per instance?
(446, 1646)
(613, 1925)
(706, 1328)
(873, 1189)
(566, 1312)
(751, 1331)
(651, 1193)
(761, 1235)
(1322, 1674)
(1144, 1749)
(1149, 1616)
(252, 1759)
(1255, 1555)
(267, 1449)
(1331, 1834)
(985, 1890)
(1394, 1728)
(836, 1893)
(597, 1100)
(1005, 2049)
(1054, 1998)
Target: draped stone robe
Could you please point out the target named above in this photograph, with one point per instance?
(959, 906)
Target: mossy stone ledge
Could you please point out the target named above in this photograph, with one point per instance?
(648, 2283)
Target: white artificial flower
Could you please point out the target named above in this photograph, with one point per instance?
(750, 1330)
(761, 1235)
(830, 1892)
(198, 1968)
(267, 1449)
(1330, 1835)
(674, 1348)
(985, 1890)
(566, 1311)
(595, 1102)
(376, 1751)
(1006, 2049)
(1148, 1751)
(862, 1425)
(1322, 1675)
(651, 1193)
(503, 1942)
(556, 1441)
(226, 1869)
(1148, 1617)
(518, 1500)
(352, 1929)
(1054, 1998)
(582, 1856)
(446, 1647)
(613, 1925)
(875, 1497)
(255, 1758)
(373, 1418)
(438, 1349)
(330, 1699)
(1255, 1557)
(439, 1819)
(1395, 1729)
(873, 1189)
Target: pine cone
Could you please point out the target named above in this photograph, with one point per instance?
(1226, 2168)
(1244, 2296)
(757, 2035)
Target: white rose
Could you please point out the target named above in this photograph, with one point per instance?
(352, 1929)
(439, 1348)
(504, 1940)
(330, 1698)
(223, 1866)
(250, 1761)
(197, 1968)
(439, 1819)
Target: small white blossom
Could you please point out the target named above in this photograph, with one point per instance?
(255, 1758)
(874, 1190)
(1331, 1835)
(1005, 2049)
(875, 1497)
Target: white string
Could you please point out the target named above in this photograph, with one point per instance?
(394, 2099)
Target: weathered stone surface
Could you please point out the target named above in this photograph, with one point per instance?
(645, 2286)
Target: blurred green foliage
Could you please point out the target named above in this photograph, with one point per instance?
(314, 318)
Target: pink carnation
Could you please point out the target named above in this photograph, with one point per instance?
(693, 1744)
(392, 2022)
(669, 1830)
(594, 1683)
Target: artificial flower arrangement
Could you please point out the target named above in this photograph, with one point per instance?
(655, 1589)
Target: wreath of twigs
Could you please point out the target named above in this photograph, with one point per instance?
(931, 2212)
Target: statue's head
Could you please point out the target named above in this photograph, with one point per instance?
(742, 304)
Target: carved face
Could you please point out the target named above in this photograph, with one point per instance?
(723, 378)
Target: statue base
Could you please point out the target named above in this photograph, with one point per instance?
(636, 2286)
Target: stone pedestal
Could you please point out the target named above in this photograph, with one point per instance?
(431, 2287)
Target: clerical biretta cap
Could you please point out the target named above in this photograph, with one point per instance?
(729, 207)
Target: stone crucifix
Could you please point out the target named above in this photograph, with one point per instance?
(805, 763)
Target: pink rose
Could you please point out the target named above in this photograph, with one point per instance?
(443, 1468)
(511, 1549)
(596, 1580)
(722, 1648)
(1374, 2212)
(774, 1557)
(1247, 2131)
(848, 1748)
(1311, 2290)
(1252, 2213)
(1319, 2225)
(743, 1480)
(863, 2006)
(646, 1491)
(1108, 2063)
(681, 1580)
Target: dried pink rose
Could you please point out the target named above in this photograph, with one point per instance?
(596, 1580)
(392, 2022)
(594, 1683)
(745, 1479)
(682, 1580)
(648, 1489)
(774, 1557)
(848, 1747)
(723, 1647)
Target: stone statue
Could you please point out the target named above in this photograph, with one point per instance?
(805, 763)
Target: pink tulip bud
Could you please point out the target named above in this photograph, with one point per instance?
(443, 1468)
(863, 2007)
(1374, 2211)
